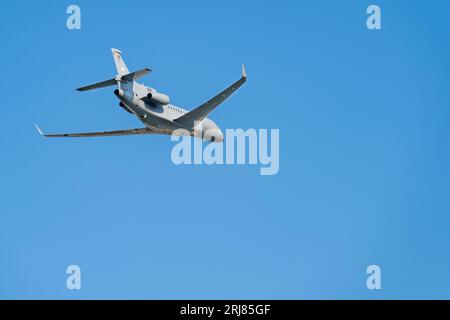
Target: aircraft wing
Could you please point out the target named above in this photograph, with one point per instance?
(201, 112)
(98, 134)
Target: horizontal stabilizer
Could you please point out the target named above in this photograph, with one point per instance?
(133, 76)
(107, 83)
(129, 77)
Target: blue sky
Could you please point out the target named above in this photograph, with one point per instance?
(364, 159)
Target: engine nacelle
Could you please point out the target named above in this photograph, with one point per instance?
(123, 106)
(159, 97)
(118, 92)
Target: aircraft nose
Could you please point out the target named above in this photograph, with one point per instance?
(214, 135)
(219, 137)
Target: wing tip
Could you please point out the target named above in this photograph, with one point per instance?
(244, 73)
(39, 130)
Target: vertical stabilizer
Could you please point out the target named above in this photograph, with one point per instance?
(120, 65)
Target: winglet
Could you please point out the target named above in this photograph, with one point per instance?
(244, 74)
(39, 130)
(114, 50)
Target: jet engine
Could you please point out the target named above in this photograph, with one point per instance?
(118, 92)
(159, 97)
(123, 106)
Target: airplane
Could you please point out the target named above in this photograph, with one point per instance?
(154, 109)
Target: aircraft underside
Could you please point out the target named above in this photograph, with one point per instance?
(153, 107)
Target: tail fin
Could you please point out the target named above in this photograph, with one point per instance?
(120, 65)
(123, 74)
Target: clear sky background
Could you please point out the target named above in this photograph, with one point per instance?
(364, 151)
